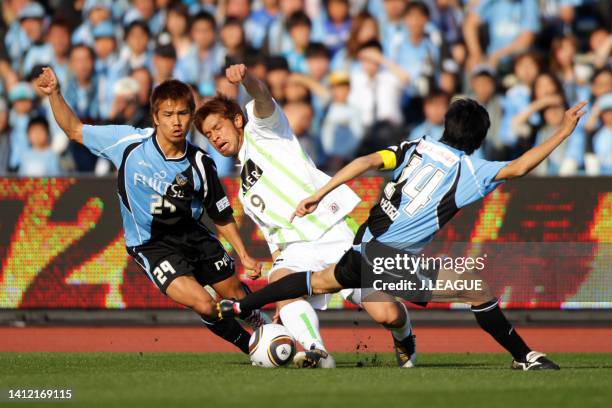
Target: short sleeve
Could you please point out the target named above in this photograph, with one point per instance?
(274, 126)
(393, 156)
(477, 179)
(111, 141)
(215, 200)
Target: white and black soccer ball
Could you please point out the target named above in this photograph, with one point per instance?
(271, 346)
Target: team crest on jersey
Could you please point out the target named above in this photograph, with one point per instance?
(181, 180)
(249, 175)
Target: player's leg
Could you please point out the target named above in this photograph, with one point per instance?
(187, 291)
(491, 319)
(394, 316)
(298, 316)
(233, 288)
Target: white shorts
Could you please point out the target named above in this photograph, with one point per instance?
(316, 256)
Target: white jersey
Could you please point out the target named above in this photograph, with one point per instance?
(276, 175)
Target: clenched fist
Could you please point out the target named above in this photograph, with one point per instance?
(236, 73)
(47, 81)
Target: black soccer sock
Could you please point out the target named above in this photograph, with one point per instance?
(229, 330)
(291, 286)
(492, 320)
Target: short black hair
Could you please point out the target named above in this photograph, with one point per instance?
(39, 120)
(277, 63)
(371, 44)
(466, 124)
(317, 49)
(172, 89)
(438, 93)
(203, 16)
(137, 24)
(90, 50)
(417, 5)
(298, 18)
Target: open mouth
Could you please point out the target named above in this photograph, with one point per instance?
(223, 147)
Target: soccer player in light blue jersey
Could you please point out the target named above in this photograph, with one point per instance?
(165, 186)
(431, 181)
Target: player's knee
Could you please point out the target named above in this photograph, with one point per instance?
(387, 314)
(204, 307)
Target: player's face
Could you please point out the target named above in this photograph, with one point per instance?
(223, 134)
(172, 120)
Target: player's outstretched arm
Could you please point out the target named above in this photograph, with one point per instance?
(229, 230)
(354, 169)
(264, 105)
(48, 84)
(534, 156)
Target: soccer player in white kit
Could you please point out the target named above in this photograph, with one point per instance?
(275, 175)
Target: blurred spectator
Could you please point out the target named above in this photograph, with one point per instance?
(342, 130)
(164, 63)
(233, 42)
(300, 114)
(334, 25)
(145, 88)
(601, 139)
(376, 90)
(29, 32)
(562, 64)
(394, 52)
(484, 87)
(389, 15)
(278, 40)
(435, 107)
(259, 22)
(127, 109)
(299, 28)
(601, 83)
(415, 52)
(144, 10)
(38, 159)
(526, 69)
(569, 156)
(277, 74)
(105, 49)
(204, 59)
(53, 52)
(22, 98)
(176, 31)
(135, 52)
(95, 12)
(600, 43)
(364, 28)
(82, 95)
(511, 24)
(5, 146)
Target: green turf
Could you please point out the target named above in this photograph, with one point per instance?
(227, 380)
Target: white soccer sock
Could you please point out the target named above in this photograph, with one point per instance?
(303, 323)
(400, 333)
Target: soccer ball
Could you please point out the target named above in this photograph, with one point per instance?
(271, 346)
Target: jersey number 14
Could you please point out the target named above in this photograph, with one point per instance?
(420, 186)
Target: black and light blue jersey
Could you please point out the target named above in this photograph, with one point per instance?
(160, 198)
(431, 181)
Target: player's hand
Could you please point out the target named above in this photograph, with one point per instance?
(236, 73)
(571, 117)
(306, 206)
(252, 266)
(47, 82)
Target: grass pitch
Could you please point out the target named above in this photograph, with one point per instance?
(361, 380)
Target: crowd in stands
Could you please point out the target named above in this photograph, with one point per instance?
(352, 76)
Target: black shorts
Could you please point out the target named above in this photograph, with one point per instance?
(354, 270)
(162, 263)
